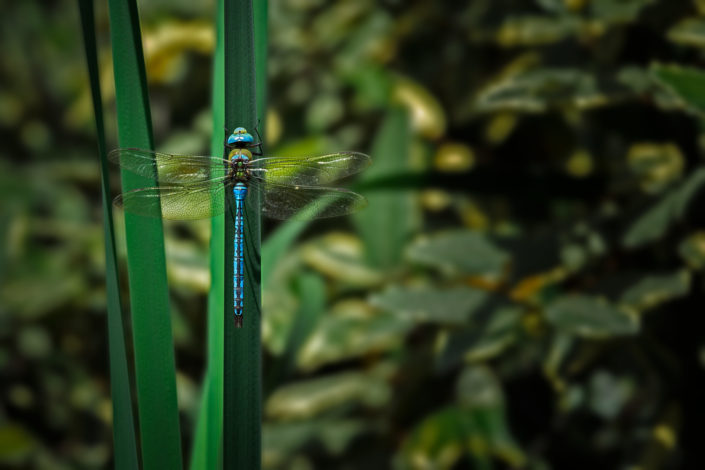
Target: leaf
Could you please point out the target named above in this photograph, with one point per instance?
(654, 290)
(459, 252)
(349, 331)
(390, 212)
(618, 11)
(309, 398)
(590, 317)
(657, 219)
(151, 324)
(686, 82)
(206, 452)
(477, 426)
(689, 32)
(473, 344)
(445, 306)
(536, 91)
(534, 30)
(609, 393)
(692, 250)
(340, 256)
(282, 440)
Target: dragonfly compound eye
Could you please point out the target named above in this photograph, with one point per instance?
(240, 136)
(241, 154)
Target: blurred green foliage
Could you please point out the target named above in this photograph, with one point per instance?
(523, 291)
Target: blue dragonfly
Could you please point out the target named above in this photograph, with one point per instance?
(193, 187)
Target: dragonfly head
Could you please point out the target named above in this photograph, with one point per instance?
(240, 136)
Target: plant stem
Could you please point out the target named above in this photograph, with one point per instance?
(242, 372)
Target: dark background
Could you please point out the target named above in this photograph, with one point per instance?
(525, 291)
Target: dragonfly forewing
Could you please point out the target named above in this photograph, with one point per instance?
(168, 168)
(308, 171)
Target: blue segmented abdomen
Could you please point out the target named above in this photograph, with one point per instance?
(239, 191)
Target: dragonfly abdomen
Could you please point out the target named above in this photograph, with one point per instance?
(240, 192)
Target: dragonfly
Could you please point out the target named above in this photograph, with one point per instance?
(194, 187)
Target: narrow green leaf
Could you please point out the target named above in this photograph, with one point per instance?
(124, 441)
(242, 368)
(207, 447)
(390, 212)
(151, 324)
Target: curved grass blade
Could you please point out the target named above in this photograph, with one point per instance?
(124, 442)
(151, 323)
(206, 453)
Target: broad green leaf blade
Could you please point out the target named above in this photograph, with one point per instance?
(429, 305)
(350, 331)
(242, 367)
(653, 290)
(662, 214)
(151, 323)
(459, 252)
(686, 82)
(124, 442)
(391, 216)
(310, 398)
(206, 453)
(591, 317)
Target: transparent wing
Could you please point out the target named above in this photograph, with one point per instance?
(170, 168)
(305, 202)
(185, 202)
(308, 171)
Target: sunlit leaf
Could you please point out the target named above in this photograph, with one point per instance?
(538, 90)
(432, 305)
(351, 331)
(689, 32)
(305, 399)
(658, 218)
(653, 290)
(459, 252)
(692, 250)
(591, 317)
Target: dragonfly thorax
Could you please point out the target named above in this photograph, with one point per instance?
(239, 164)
